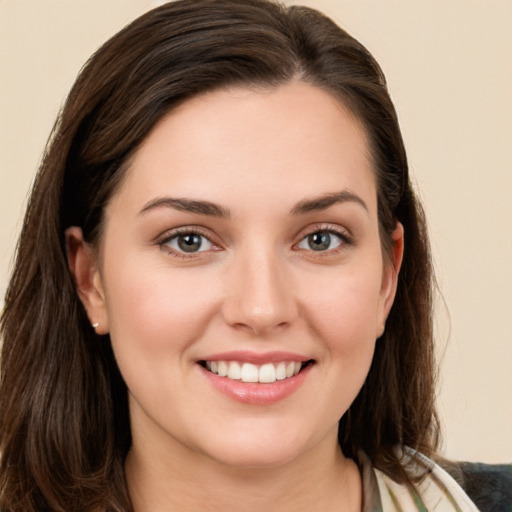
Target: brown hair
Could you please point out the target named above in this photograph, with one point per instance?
(64, 424)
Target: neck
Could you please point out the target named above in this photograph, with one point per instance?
(322, 479)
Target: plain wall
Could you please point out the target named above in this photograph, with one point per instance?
(448, 64)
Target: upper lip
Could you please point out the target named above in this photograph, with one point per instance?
(256, 357)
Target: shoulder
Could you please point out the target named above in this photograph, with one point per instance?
(429, 487)
(488, 485)
(440, 485)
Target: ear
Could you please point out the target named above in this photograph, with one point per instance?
(82, 263)
(389, 284)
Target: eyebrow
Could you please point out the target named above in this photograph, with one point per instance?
(186, 205)
(317, 204)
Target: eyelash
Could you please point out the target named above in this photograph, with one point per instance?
(175, 234)
(345, 240)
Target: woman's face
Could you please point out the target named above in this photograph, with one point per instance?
(244, 240)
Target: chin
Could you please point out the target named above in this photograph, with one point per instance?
(257, 451)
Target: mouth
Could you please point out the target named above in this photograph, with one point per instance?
(248, 372)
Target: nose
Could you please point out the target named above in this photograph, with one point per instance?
(260, 295)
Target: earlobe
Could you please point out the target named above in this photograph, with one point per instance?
(390, 275)
(83, 265)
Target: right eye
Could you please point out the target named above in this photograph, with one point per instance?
(188, 242)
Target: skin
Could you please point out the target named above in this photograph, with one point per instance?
(256, 285)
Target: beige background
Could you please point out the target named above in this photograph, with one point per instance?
(449, 66)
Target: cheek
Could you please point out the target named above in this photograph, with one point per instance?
(151, 309)
(345, 308)
(342, 315)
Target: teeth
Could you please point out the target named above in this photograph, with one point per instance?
(234, 371)
(248, 372)
(281, 371)
(222, 369)
(267, 373)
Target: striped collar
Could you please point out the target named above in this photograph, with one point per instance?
(436, 492)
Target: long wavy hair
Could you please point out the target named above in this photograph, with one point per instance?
(64, 420)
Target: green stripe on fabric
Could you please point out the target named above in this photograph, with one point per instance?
(446, 491)
(395, 501)
(419, 503)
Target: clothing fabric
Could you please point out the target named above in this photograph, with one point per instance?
(437, 491)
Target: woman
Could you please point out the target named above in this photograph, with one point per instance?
(222, 293)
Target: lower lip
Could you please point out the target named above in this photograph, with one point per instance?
(257, 393)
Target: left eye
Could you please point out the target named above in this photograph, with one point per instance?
(189, 243)
(321, 241)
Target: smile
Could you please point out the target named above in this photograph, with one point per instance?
(249, 372)
(256, 379)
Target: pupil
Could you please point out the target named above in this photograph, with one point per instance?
(319, 241)
(189, 243)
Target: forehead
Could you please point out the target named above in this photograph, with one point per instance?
(268, 144)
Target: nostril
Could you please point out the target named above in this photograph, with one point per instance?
(259, 301)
